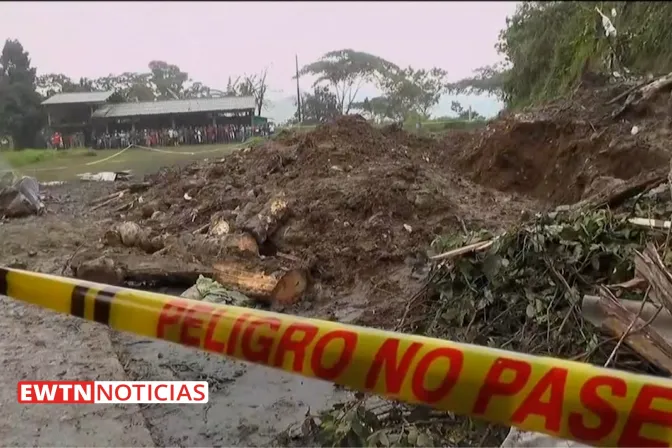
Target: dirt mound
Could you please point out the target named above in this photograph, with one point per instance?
(364, 203)
(557, 151)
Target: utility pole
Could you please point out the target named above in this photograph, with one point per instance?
(298, 91)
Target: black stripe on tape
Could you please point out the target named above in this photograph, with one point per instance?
(3, 281)
(102, 305)
(77, 300)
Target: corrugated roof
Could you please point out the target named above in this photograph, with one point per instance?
(234, 103)
(79, 97)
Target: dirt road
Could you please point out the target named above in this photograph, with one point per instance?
(249, 405)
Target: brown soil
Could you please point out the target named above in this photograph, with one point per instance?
(554, 153)
(365, 205)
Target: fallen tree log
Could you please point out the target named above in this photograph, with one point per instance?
(621, 193)
(272, 215)
(616, 320)
(161, 276)
(284, 288)
(114, 272)
(220, 246)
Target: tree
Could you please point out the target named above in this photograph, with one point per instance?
(20, 114)
(168, 80)
(53, 83)
(489, 79)
(462, 114)
(249, 85)
(232, 87)
(345, 71)
(318, 107)
(411, 91)
(378, 108)
(257, 85)
(132, 87)
(550, 46)
(197, 90)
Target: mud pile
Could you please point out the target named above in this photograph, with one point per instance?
(363, 202)
(559, 152)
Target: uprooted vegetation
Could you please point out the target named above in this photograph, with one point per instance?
(523, 293)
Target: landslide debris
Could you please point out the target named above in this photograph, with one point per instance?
(523, 290)
(348, 202)
(556, 152)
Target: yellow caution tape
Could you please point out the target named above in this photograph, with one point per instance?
(592, 405)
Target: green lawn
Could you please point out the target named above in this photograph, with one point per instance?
(50, 165)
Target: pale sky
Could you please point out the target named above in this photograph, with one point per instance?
(213, 40)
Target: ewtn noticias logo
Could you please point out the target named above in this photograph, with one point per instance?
(89, 392)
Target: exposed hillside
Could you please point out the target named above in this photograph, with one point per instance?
(551, 46)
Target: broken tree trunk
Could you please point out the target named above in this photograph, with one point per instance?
(263, 224)
(113, 272)
(286, 288)
(643, 94)
(649, 266)
(161, 276)
(618, 195)
(642, 338)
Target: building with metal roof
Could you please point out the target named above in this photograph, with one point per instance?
(92, 113)
(242, 104)
(78, 98)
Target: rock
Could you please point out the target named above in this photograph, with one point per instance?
(21, 199)
(130, 233)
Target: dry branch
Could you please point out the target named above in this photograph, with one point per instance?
(649, 266)
(474, 247)
(643, 339)
(639, 96)
(109, 198)
(650, 223)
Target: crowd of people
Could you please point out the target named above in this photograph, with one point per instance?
(68, 141)
(184, 135)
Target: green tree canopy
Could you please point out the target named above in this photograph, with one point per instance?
(345, 71)
(319, 106)
(20, 115)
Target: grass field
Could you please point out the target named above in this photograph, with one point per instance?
(50, 165)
